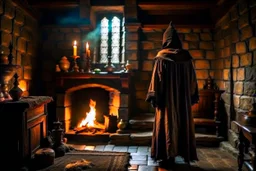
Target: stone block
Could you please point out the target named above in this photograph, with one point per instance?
(131, 55)
(227, 40)
(131, 45)
(48, 45)
(197, 30)
(252, 43)
(249, 88)
(193, 45)
(158, 45)
(226, 97)
(9, 10)
(210, 55)
(16, 29)
(250, 73)
(184, 30)
(246, 33)
(206, 36)
(141, 94)
(226, 74)
(132, 36)
(226, 52)
(197, 54)
(202, 74)
(123, 113)
(19, 17)
(227, 63)
(31, 49)
(217, 64)
(235, 35)
(245, 102)
(5, 38)
(147, 45)
(202, 64)
(234, 74)
(246, 59)
(6, 24)
(155, 36)
(227, 86)
(191, 37)
(147, 66)
(185, 45)
(21, 45)
(235, 61)
(27, 73)
(141, 86)
(218, 74)
(243, 20)
(240, 74)
(238, 88)
(220, 43)
(124, 100)
(25, 33)
(240, 47)
(151, 54)
(65, 46)
(236, 99)
(135, 65)
(219, 53)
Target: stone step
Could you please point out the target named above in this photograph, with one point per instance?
(144, 138)
(142, 122)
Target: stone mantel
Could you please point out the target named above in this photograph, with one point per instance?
(72, 81)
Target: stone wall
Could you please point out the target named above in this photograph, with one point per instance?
(20, 28)
(235, 63)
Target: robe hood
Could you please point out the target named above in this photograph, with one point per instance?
(171, 38)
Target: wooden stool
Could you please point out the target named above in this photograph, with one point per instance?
(44, 157)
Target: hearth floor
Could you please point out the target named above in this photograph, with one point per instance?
(210, 158)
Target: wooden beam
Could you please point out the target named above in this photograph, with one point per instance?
(198, 5)
(55, 4)
(175, 12)
(164, 26)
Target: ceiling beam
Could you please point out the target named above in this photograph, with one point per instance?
(197, 5)
(55, 4)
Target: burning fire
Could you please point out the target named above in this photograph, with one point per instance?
(90, 116)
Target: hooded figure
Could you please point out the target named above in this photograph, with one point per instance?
(172, 92)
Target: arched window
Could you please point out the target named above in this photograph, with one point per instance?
(112, 40)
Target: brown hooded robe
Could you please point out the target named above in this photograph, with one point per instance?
(172, 91)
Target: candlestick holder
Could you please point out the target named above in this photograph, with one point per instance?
(88, 64)
(75, 67)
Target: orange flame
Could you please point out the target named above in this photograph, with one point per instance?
(90, 116)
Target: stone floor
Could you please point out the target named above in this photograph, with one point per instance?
(210, 159)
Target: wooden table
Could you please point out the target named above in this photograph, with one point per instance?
(247, 137)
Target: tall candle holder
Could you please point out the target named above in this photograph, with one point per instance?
(88, 64)
(75, 67)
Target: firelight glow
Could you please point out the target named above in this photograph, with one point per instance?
(90, 116)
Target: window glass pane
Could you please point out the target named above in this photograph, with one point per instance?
(104, 40)
(115, 44)
(123, 43)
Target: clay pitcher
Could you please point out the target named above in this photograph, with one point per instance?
(64, 64)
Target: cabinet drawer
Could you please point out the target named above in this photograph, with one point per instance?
(35, 112)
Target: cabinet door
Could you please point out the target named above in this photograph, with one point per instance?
(36, 129)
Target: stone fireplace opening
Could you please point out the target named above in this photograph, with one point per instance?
(107, 102)
(76, 90)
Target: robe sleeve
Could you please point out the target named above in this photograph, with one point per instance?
(194, 86)
(153, 86)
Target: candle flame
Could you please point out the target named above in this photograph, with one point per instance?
(75, 43)
(87, 45)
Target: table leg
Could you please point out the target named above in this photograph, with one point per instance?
(240, 158)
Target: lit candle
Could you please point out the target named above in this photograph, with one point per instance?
(75, 49)
(88, 52)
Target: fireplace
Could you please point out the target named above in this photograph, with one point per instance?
(75, 90)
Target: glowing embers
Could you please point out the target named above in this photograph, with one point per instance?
(89, 123)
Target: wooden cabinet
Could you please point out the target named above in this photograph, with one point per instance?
(24, 125)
